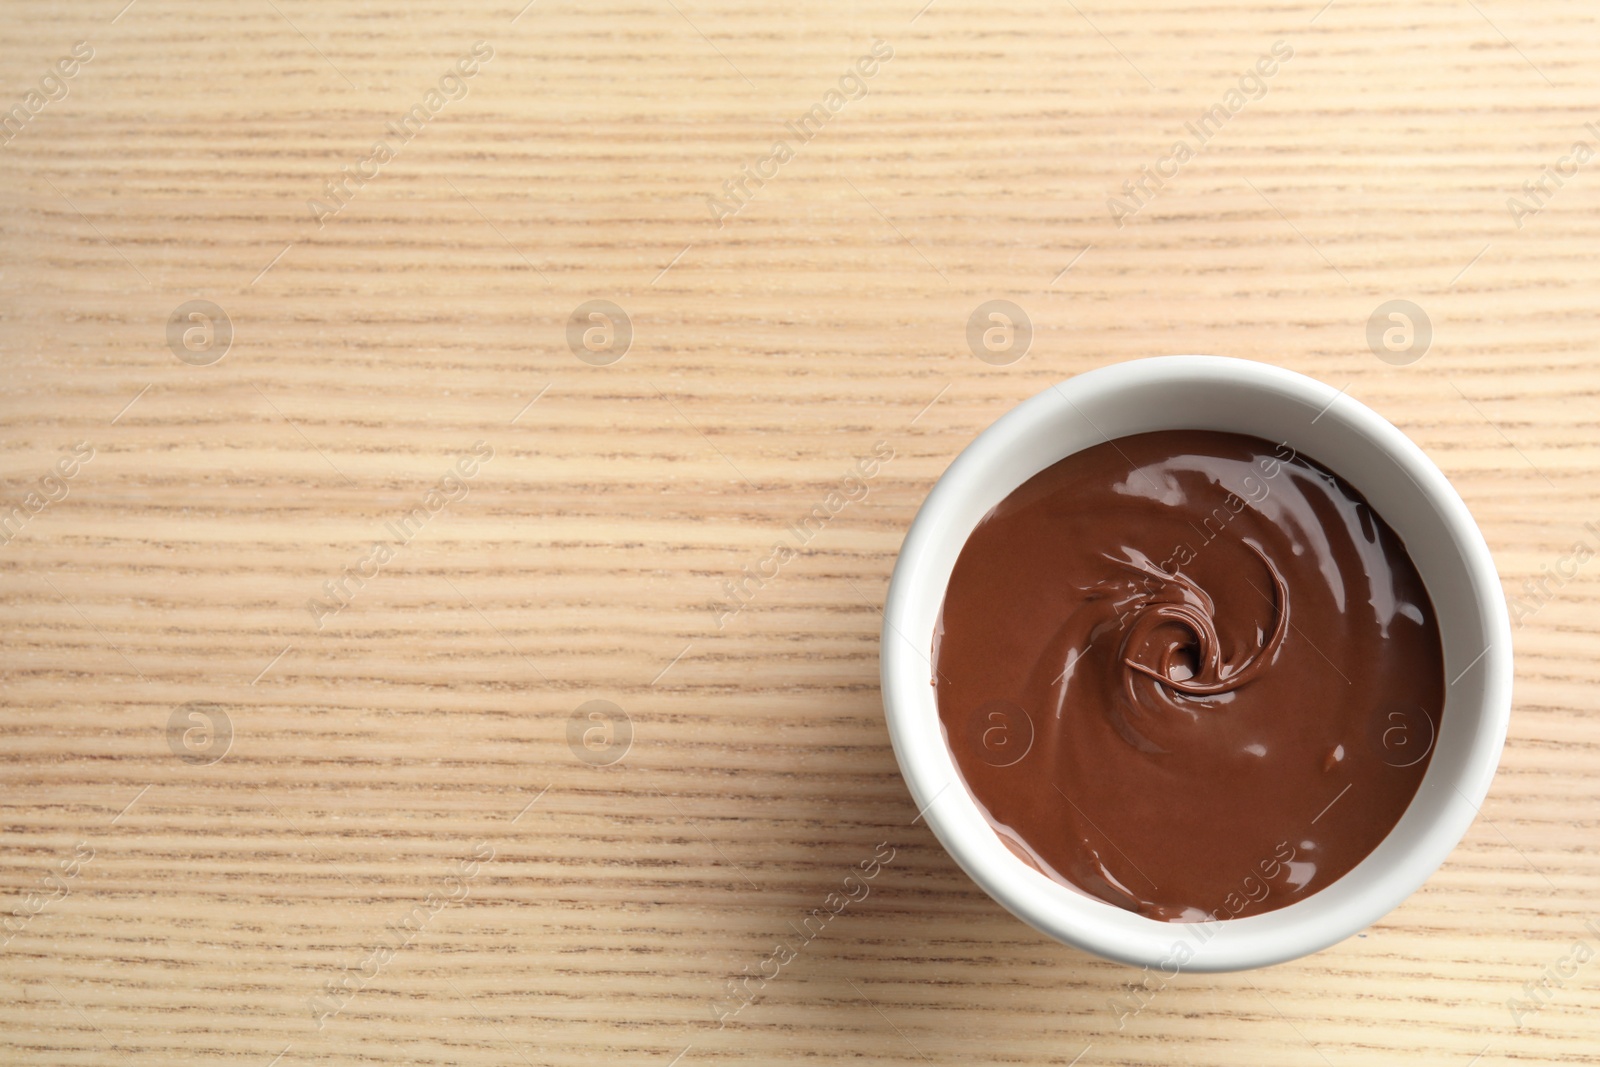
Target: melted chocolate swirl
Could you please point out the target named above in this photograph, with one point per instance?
(1161, 658)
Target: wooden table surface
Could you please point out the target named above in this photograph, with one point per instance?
(307, 598)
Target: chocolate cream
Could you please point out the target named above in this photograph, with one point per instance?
(1190, 673)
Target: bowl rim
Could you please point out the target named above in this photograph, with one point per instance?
(1072, 917)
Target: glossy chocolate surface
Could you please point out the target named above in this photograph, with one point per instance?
(1191, 673)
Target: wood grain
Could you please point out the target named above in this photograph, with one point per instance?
(429, 718)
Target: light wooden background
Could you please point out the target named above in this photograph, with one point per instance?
(586, 562)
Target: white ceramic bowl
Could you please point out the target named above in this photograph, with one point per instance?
(1401, 483)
